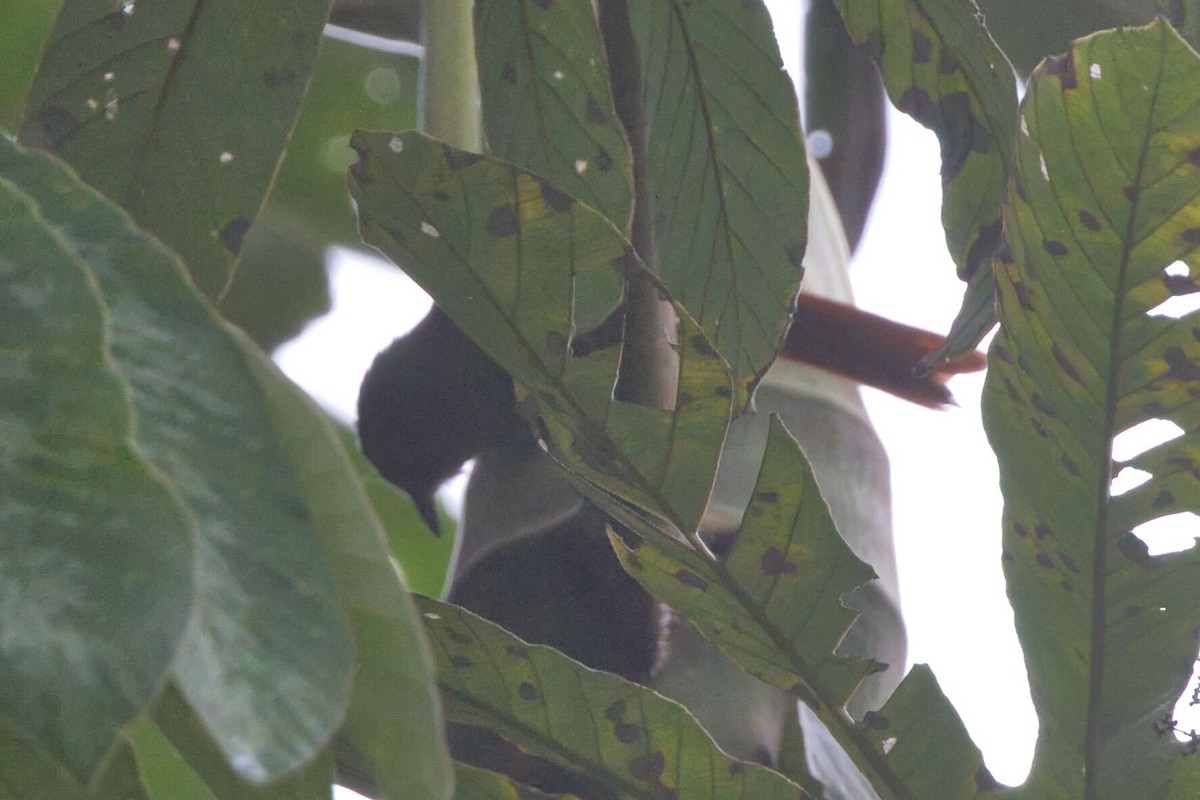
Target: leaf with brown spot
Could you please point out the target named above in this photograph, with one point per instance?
(634, 742)
(1101, 202)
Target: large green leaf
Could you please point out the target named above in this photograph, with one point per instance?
(532, 275)
(547, 105)
(788, 556)
(28, 773)
(631, 740)
(940, 66)
(139, 97)
(393, 723)
(723, 182)
(268, 658)
(97, 551)
(474, 783)
(1103, 201)
(25, 26)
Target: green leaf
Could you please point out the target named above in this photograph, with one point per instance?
(631, 740)
(25, 26)
(267, 659)
(28, 773)
(530, 273)
(163, 770)
(139, 97)
(547, 105)
(1184, 15)
(1102, 203)
(185, 733)
(97, 553)
(725, 179)
(393, 720)
(474, 783)
(940, 66)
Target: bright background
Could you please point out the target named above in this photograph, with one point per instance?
(945, 496)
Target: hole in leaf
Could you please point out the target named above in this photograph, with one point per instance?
(1178, 270)
(1134, 441)
(1128, 479)
(1186, 301)
(1187, 710)
(1169, 534)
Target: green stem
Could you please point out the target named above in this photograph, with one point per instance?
(448, 105)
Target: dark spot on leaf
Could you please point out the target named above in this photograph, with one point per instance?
(460, 662)
(1042, 530)
(1023, 296)
(795, 255)
(1066, 585)
(503, 222)
(1001, 352)
(1020, 530)
(683, 399)
(702, 346)
(1192, 236)
(233, 233)
(1178, 284)
(1006, 556)
(1153, 408)
(1056, 249)
(1164, 499)
(947, 63)
(279, 78)
(603, 160)
(1068, 562)
(459, 159)
(1065, 364)
(615, 712)
(634, 563)
(1039, 428)
(627, 732)
(1130, 193)
(770, 498)
(56, 122)
(517, 651)
(773, 563)
(723, 391)
(1181, 367)
(527, 691)
(458, 637)
(1069, 465)
(804, 693)
(1193, 157)
(440, 195)
(1196, 334)
(555, 198)
(922, 48)
(1044, 560)
(508, 73)
(1135, 550)
(1041, 405)
(689, 578)
(1063, 68)
(593, 113)
(1022, 194)
(737, 768)
(543, 4)
(876, 721)
(1013, 394)
(647, 767)
(1133, 611)
(1089, 220)
(981, 250)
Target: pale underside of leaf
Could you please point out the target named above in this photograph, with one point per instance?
(1103, 201)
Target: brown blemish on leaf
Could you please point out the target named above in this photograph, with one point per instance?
(1006, 556)
(1019, 188)
(1130, 193)
(627, 732)
(440, 195)
(603, 160)
(543, 4)
(1066, 585)
(593, 113)
(56, 122)
(233, 233)
(737, 768)
(554, 198)
(1023, 296)
(517, 651)
(1065, 364)
(770, 498)
(460, 662)
(503, 222)
(1020, 530)
(648, 767)
(1056, 249)
(1041, 405)
(1044, 560)
(1135, 550)
(876, 721)
(1089, 220)
(702, 346)
(1068, 562)
(1042, 530)
(1063, 68)
(615, 712)
(526, 691)
(683, 400)
(458, 637)
(1133, 611)
(279, 78)
(984, 246)
(723, 391)
(947, 63)
(1069, 465)
(508, 73)
(1013, 394)
(459, 159)
(1193, 157)
(1039, 428)
(922, 48)
(1181, 367)
(1192, 236)
(689, 578)
(1001, 352)
(1164, 500)
(634, 563)
(774, 563)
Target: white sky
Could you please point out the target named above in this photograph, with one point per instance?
(945, 496)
